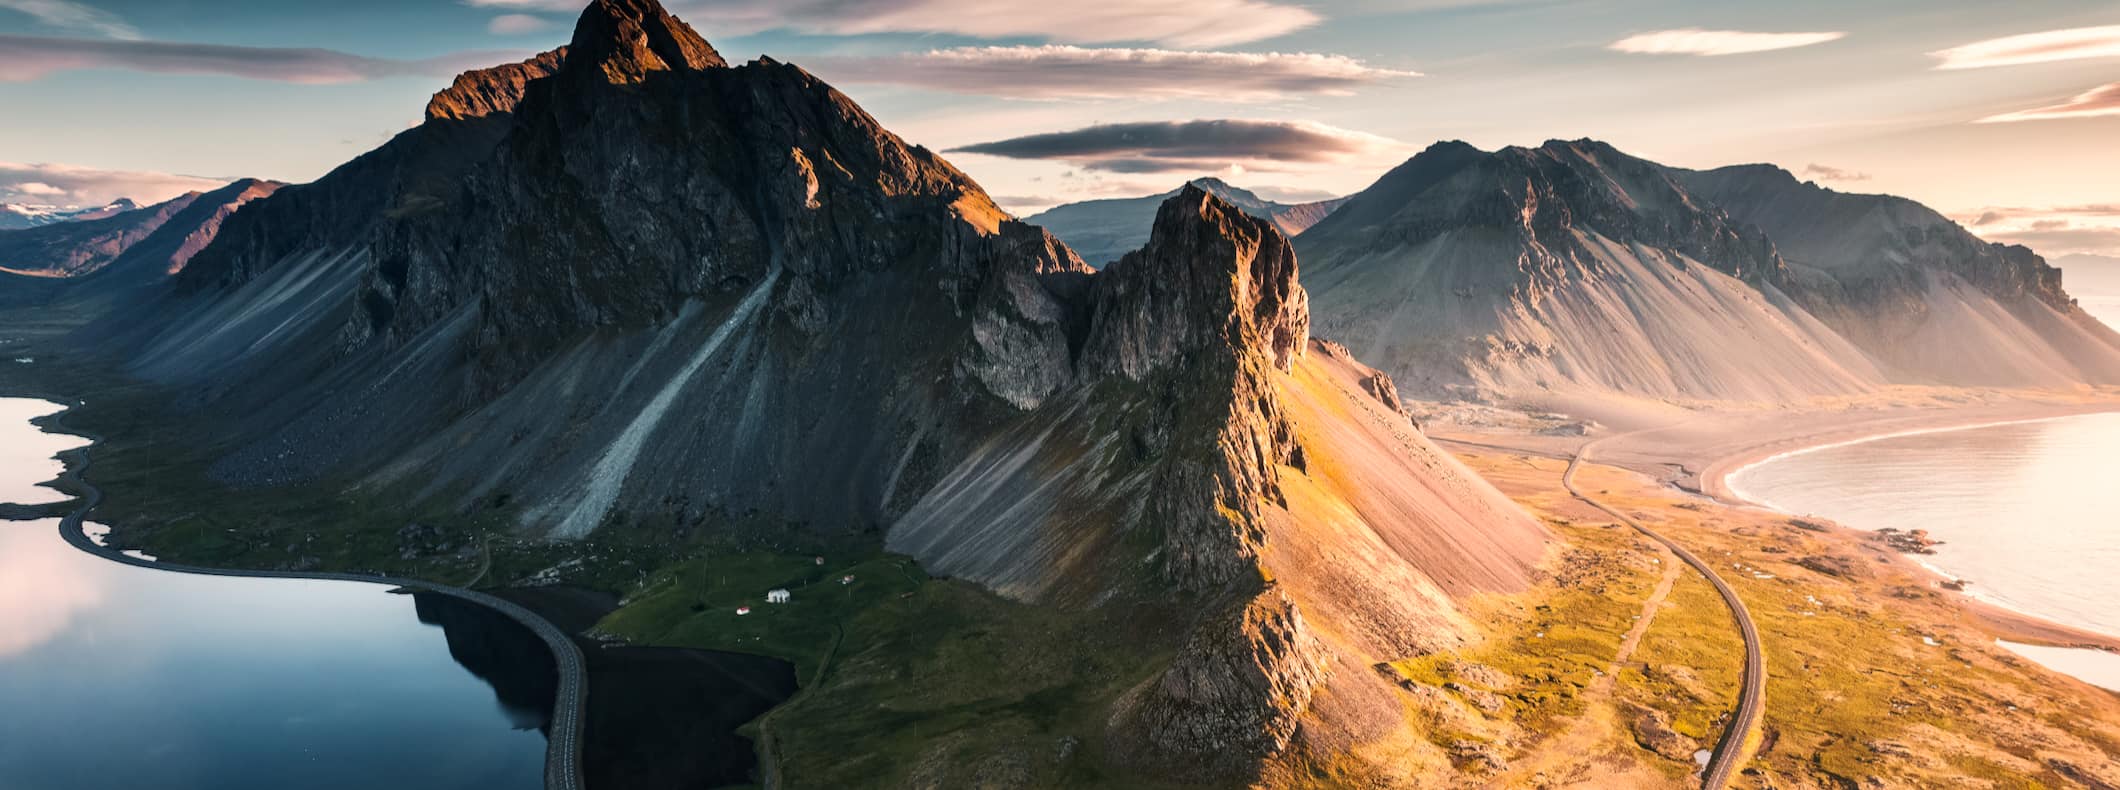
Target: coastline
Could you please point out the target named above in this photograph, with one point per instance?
(563, 753)
(1712, 479)
(1697, 451)
(2004, 622)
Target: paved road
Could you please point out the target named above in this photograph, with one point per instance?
(563, 746)
(1751, 700)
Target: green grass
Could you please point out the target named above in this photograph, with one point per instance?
(909, 679)
(1569, 631)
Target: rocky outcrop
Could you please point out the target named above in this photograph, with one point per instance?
(1102, 231)
(1168, 300)
(1232, 697)
(1205, 310)
(482, 92)
(625, 40)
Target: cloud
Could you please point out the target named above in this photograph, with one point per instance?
(1827, 173)
(2063, 241)
(2098, 102)
(26, 58)
(1070, 72)
(74, 16)
(517, 24)
(1179, 23)
(1694, 41)
(2045, 47)
(87, 186)
(43, 587)
(2051, 230)
(1171, 146)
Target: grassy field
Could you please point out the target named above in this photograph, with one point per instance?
(909, 680)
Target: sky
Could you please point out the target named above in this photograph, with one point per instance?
(2001, 115)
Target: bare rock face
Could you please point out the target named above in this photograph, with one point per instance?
(1146, 313)
(625, 40)
(1233, 696)
(483, 92)
(1200, 316)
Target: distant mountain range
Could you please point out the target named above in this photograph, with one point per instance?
(16, 216)
(1573, 267)
(143, 243)
(1102, 230)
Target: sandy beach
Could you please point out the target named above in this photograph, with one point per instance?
(1697, 449)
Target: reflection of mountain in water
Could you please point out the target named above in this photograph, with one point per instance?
(666, 718)
(657, 718)
(500, 651)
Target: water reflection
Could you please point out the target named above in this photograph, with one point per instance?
(2025, 511)
(27, 454)
(113, 676)
(121, 677)
(41, 587)
(499, 651)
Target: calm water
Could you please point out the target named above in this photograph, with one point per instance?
(2030, 512)
(121, 677)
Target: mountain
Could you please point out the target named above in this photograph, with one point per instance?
(1570, 266)
(629, 291)
(1921, 294)
(1575, 268)
(155, 241)
(16, 216)
(1102, 230)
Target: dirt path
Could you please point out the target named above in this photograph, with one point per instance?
(1595, 727)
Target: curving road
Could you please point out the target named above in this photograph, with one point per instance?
(1751, 700)
(563, 746)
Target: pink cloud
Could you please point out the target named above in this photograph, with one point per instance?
(2098, 102)
(2043, 47)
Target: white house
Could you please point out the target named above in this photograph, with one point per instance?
(742, 610)
(777, 596)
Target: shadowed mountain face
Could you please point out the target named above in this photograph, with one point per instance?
(1573, 267)
(631, 284)
(1103, 230)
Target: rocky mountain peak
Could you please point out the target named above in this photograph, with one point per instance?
(1211, 277)
(482, 92)
(628, 39)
